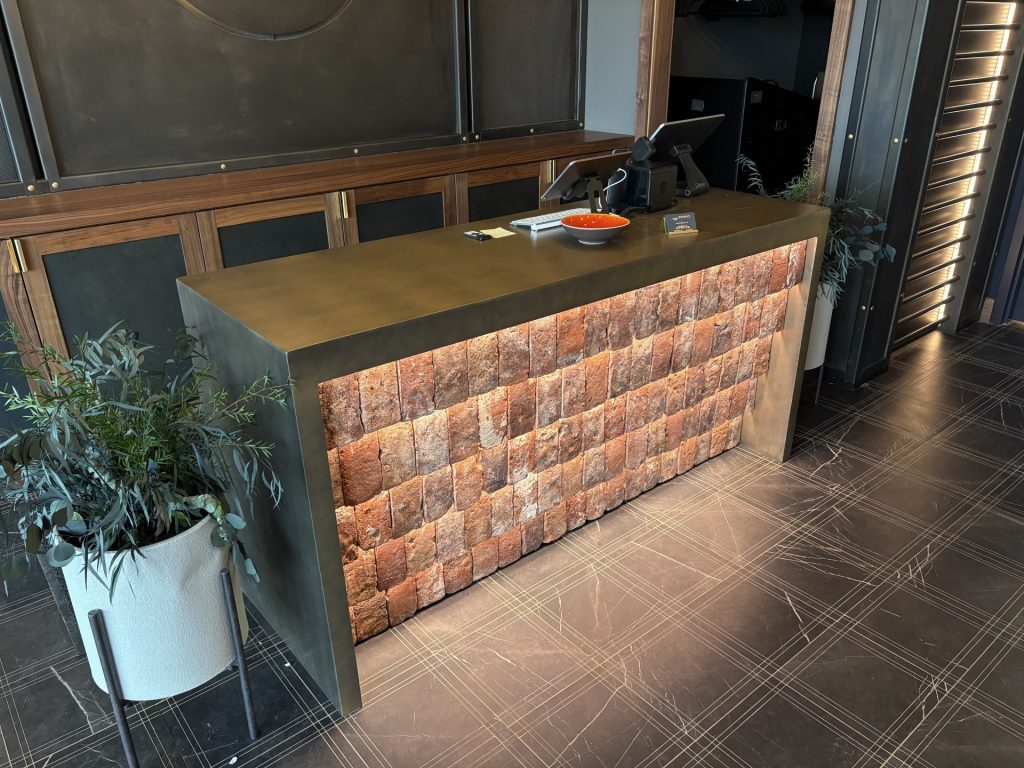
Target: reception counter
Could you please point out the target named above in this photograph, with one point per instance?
(455, 405)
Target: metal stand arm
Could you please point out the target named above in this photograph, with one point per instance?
(236, 638)
(117, 702)
(99, 633)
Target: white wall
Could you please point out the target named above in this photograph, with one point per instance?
(613, 32)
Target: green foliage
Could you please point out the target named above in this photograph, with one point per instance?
(118, 455)
(853, 230)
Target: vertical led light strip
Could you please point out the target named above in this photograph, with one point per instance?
(993, 94)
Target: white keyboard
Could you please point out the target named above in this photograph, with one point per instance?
(547, 220)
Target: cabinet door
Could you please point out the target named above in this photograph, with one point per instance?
(251, 233)
(14, 309)
(84, 281)
(504, 191)
(404, 207)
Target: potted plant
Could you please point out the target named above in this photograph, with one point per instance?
(851, 242)
(135, 479)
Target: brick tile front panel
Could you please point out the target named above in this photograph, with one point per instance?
(453, 463)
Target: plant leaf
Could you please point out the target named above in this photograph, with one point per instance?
(60, 555)
(13, 568)
(33, 539)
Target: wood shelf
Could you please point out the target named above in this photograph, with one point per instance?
(128, 202)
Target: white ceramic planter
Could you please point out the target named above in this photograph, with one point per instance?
(168, 628)
(821, 323)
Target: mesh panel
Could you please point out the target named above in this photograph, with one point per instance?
(8, 169)
(525, 62)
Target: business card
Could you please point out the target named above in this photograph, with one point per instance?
(681, 223)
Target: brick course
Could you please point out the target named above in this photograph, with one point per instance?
(450, 464)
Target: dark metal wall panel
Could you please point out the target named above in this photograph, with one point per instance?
(272, 238)
(504, 197)
(17, 160)
(93, 288)
(897, 45)
(403, 216)
(134, 90)
(526, 64)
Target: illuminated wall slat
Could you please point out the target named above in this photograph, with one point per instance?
(963, 149)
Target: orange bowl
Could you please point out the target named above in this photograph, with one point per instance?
(594, 228)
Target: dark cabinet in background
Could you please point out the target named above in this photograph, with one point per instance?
(504, 191)
(251, 233)
(84, 281)
(14, 297)
(389, 210)
(77, 280)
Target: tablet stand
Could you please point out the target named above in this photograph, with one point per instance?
(595, 195)
(695, 183)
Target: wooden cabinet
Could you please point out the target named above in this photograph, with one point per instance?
(389, 210)
(505, 191)
(78, 262)
(84, 281)
(247, 234)
(14, 309)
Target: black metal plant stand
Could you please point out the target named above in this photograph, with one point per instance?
(117, 701)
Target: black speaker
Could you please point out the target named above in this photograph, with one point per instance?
(526, 60)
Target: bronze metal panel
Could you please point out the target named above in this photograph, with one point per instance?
(429, 285)
(301, 591)
(318, 316)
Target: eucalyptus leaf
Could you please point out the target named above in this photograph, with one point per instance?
(33, 539)
(13, 567)
(122, 452)
(60, 555)
(76, 527)
(853, 233)
(218, 539)
(59, 517)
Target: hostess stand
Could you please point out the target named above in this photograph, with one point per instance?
(649, 179)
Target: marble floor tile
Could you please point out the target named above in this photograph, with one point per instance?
(861, 605)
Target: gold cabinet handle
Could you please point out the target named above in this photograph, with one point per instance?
(17, 256)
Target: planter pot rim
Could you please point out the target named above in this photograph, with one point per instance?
(207, 519)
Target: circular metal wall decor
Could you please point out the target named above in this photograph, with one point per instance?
(267, 21)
